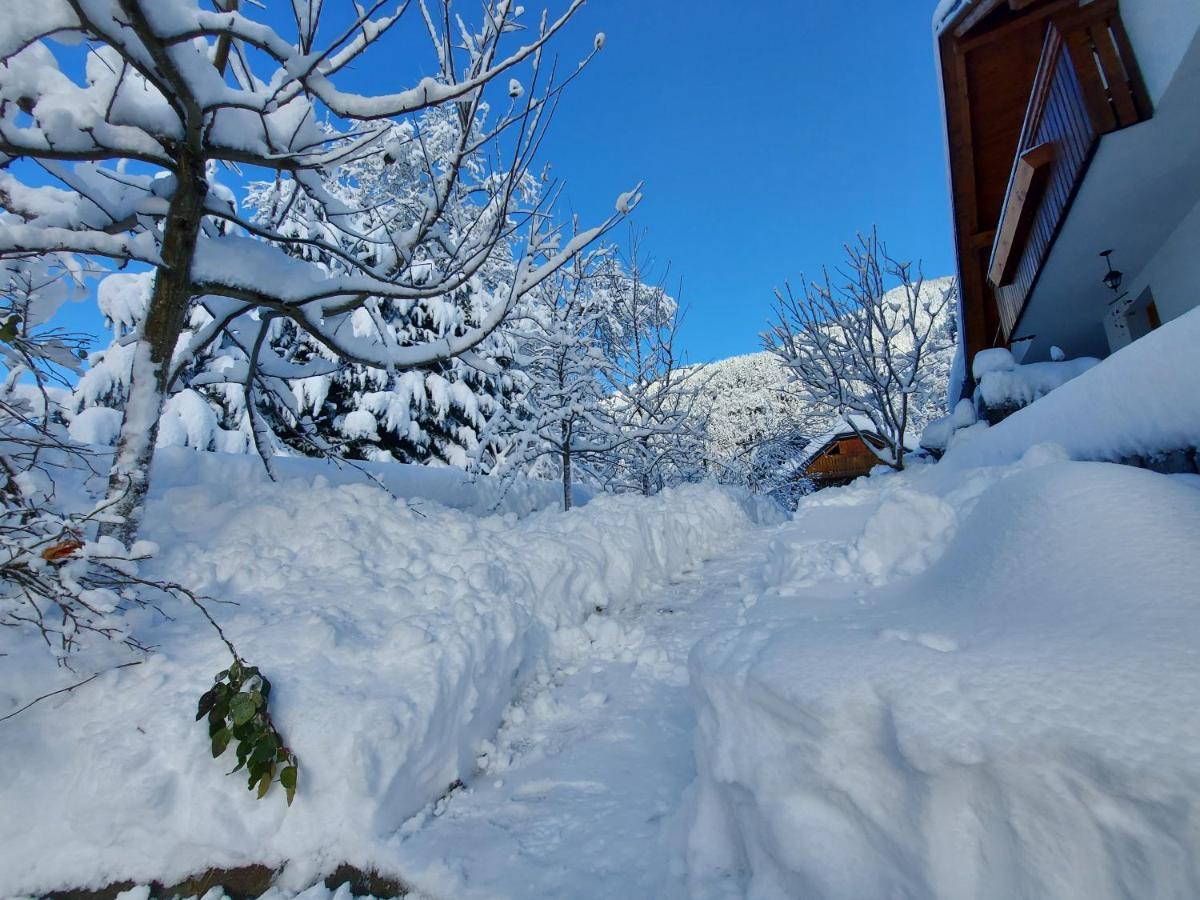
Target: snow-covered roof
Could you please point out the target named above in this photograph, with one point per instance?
(847, 426)
(843, 427)
(946, 12)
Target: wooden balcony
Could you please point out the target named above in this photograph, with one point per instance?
(1087, 84)
(841, 461)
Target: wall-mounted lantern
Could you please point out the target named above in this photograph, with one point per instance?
(1112, 280)
(1113, 277)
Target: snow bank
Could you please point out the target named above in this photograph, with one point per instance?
(395, 632)
(445, 485)
(1141, 401)
(1016, 720)
(1023, 384)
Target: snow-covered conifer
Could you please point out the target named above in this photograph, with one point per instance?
(140, 131)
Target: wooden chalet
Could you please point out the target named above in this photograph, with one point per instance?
(841, 456)
(1073, 128)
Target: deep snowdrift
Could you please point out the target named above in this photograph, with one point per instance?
(962, 683)
(395, 632)
(1141, 401)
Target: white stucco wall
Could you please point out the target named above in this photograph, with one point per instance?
(1172, 275)
(1161, 32)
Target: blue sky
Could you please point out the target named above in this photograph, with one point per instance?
(767, 132)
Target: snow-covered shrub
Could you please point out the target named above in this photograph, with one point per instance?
(1003, 386)
(939, 433)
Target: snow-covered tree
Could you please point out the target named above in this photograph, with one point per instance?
(870, 345)
(563, 422)
(656, 398)
(57, 581)
(348, 410)
(118, 150)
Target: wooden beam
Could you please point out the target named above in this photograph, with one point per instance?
(1023, 195)
(1003, 31)
(1114, 73)
(983, 238)
(974, 16)
(1079, 45)
(1136, 83)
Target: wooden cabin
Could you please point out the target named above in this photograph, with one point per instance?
(840, 456)
(1073, 128)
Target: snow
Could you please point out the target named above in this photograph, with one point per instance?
(97, 425)
(945, 12)
(1007, 714)
(1003, 383)
(748, 404)
(969, 679)
(1141, 401)
(994, 359)
(396, 631)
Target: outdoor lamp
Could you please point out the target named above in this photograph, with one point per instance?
(1112, 278)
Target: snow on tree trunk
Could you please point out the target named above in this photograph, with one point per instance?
(566, 467)
(129, 479)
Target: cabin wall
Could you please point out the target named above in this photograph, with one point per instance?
(853, 459)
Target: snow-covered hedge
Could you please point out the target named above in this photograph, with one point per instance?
(1009, 713)
(395, 631)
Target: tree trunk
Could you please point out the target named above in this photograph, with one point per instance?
(566, 466)
(129, 478)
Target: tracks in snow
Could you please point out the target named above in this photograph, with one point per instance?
(582, 794)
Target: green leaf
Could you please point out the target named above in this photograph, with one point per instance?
(257, 698)
(235, 671)
(220, 741)
(288, 779)
(266, 688)
(207, 700)
(224, 673)
(242, 709)
(264, 784)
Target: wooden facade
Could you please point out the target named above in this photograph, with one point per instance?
(1030, 87)
(841, 459)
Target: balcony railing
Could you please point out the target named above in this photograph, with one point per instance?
(1087, 85)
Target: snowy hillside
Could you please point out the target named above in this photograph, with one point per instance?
(754, 397)
(750, 401)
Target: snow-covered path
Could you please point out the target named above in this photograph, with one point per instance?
(586, 794)
(583, 796)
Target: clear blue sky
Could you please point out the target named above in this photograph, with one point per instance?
(767, 132)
